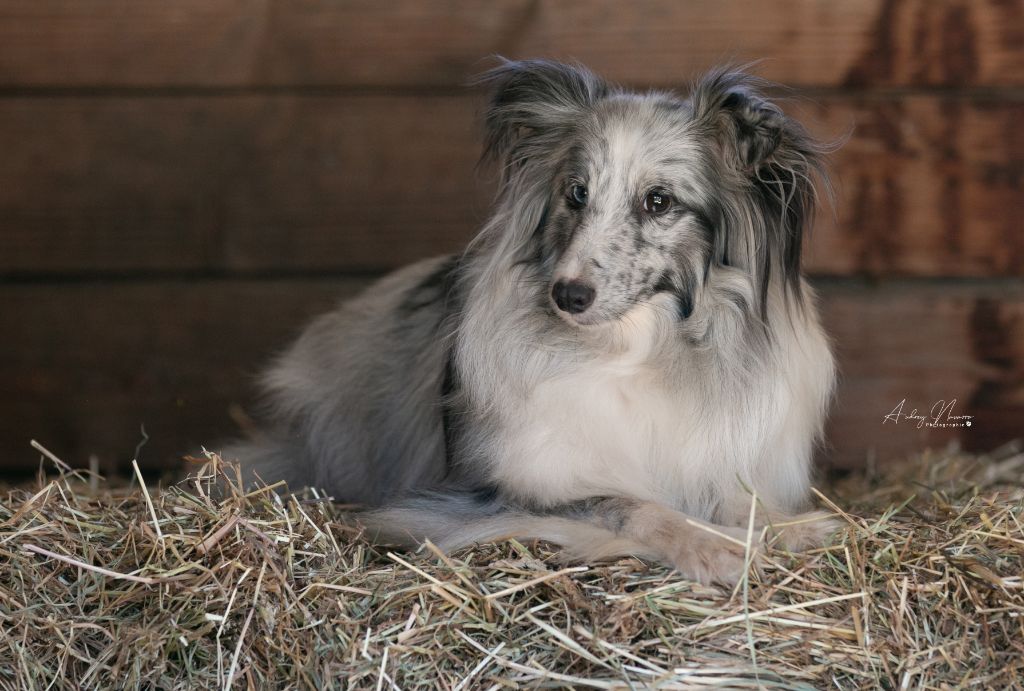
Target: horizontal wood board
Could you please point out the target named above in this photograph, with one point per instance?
(85, 366)
(416, 44)
(925, 185)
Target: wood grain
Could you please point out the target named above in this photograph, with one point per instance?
(92, 362)
(408, 43)
(927, 185)
(246, 183)
(924, 343)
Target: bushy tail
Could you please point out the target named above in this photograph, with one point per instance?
(452, 519)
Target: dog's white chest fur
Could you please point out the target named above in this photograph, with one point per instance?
(683, 436)
(601, 431)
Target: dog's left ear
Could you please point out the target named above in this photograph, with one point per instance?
(751, 130)
(773, 157)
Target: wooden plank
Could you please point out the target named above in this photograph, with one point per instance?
(92, 362)
(90, 184)
(927, 185)
(246, 183)
(408, 43)
(924, 343)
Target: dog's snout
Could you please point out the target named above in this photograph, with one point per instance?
(573, 296)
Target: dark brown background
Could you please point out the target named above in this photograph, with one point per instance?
(183, 184)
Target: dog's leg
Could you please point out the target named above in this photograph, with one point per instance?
(794, 532)
(453, 519)
(699, 550)
(799, 532)
(589, 530)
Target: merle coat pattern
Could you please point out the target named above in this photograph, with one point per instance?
(625, 353)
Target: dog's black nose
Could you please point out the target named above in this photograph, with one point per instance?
(572, 296)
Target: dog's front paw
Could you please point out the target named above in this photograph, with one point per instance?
(803, 531)
(705, 557)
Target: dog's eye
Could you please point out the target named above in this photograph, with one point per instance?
(657, 202)
(578, 196)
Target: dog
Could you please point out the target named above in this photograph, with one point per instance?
(624, 361)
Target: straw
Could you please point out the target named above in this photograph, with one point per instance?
(190, 587)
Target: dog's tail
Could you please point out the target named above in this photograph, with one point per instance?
(452, 519)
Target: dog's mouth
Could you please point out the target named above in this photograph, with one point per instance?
(589, 319)
(668, 303)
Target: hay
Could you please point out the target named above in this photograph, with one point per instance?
(173, 589)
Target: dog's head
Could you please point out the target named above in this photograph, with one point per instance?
(636, 196)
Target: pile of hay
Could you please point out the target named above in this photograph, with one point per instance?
(103, 587)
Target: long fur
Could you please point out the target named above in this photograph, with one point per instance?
(462, 402)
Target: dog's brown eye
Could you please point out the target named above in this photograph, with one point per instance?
(578, 195)
(657, 202)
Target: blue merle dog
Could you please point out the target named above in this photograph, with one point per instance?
(625, 360)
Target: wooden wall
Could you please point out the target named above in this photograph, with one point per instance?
(182, 184)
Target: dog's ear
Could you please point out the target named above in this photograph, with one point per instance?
(534, 105)
(772, 156)
(751, 129)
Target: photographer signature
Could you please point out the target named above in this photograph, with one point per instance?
(940, 415)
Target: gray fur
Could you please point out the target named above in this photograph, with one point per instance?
(354, 404)
(431, 395)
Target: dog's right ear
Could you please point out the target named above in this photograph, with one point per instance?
(534, 105)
